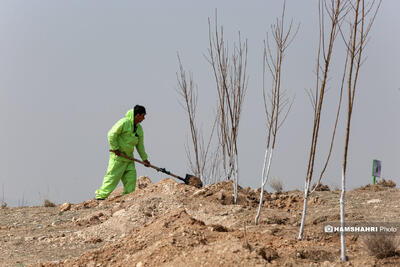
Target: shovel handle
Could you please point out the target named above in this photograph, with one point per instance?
(163, 170)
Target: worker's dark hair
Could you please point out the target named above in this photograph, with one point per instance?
(139, 110)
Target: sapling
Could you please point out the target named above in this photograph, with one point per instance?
(278, 101)
(355, 42)
(336, 11)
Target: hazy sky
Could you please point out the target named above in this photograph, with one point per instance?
(70, 69)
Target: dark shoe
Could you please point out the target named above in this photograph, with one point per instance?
(99, 198)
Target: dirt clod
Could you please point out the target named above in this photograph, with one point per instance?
(268, 254)
(195, 181)
(65, 207)
(320, 187)
(48, 203)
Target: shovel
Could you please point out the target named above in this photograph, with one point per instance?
(189, 179)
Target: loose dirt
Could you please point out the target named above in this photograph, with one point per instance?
(172, 224)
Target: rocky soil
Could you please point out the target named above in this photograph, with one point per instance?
(172, 224)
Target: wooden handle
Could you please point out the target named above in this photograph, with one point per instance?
(151, 166)
(137, 160)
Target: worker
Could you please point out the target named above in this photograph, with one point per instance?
(123, 137)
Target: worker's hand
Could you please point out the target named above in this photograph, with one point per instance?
(116, 152)
(146, 163)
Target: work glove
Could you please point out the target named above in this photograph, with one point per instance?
(116, 152)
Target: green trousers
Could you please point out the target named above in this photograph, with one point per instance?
(118, 170)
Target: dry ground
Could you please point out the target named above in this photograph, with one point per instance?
(171, 224)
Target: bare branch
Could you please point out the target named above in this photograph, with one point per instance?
(187, 89)
(231, 80)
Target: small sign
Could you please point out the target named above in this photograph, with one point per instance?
(376, 168)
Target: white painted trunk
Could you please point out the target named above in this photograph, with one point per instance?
(236, 179)
(264, 180)
(303, 216)
(262, 186)
(342, 234)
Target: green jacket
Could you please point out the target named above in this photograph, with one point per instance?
(124, 137)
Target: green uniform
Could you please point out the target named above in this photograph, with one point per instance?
(123, 137)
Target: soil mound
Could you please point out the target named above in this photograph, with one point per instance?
(175, 239)
(174, 224)
(379, 186)
(320, 187)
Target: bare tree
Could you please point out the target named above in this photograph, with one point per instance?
(336, 11)
(3, 203)
(231, 82)
(356, 41)
(334, 128)
(199, 153)
(276, 101)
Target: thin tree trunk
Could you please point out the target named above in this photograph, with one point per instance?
(342, 215)
(236, 176)
(265, 179)
(262, 186)
(303, 217)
